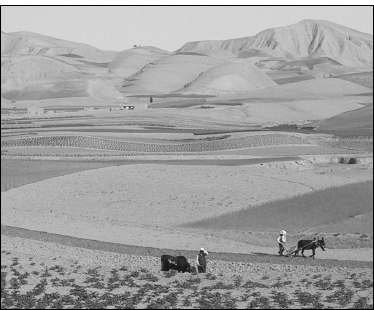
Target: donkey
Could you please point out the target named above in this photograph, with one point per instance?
(303, 245)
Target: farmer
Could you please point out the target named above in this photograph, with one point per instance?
(281, 241)
(201, 261)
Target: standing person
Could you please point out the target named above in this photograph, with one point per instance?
(201, 261)
(281, 241)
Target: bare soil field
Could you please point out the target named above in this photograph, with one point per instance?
(316, 209)
(90, 201)
(18, 172)
(36, 274)
(296, 150)
(227, 143)
(123, 212)
(362, 78)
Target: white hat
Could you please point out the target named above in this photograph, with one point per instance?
(283, 232)
(202, 249)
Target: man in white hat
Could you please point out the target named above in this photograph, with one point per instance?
(282, 241)
(201, 261)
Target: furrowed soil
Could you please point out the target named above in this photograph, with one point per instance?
(39, 274)
(85, 218)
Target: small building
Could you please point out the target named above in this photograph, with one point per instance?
(90, 109)
(35, 110)
(127, 107)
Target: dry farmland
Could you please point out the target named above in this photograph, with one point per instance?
(49, 275)
(87, 213)
(95, 143)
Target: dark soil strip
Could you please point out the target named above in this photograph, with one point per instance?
(60, 127)
(148, 251)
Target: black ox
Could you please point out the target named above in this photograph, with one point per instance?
(179, 263)
(303, 245)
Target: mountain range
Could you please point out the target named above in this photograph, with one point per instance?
(38, 67)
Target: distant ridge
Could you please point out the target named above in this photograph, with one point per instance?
(29, 43)
(306, 39)
(39, 67)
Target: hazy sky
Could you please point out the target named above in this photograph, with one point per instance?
(166, 27)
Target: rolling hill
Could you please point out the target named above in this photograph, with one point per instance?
(36, 77)
(38, 67)
(129, 62)
(170, 73)
(231, 77)
(29, 43)
(306, 39)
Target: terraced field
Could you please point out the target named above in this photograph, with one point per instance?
(97, 143)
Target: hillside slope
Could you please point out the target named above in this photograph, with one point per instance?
(308, 38)
(28, 43)
(128, 62)
(232, 77)
(169, 73)
(34, 77)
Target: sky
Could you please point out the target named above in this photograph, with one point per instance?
(169, 27)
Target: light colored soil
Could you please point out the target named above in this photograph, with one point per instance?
(282, 150)
(76, 264)
(18, 170)
(55, 150)
(111, 204)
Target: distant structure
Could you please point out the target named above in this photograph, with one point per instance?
(127, 107)
(89, 109)
(35, 110)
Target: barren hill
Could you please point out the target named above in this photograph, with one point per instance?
(170, 73)
(28, 43)
(308, 38)
(129, 62)
(37, 67)
(34, 77)
(232, 77)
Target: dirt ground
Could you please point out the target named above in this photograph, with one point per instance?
(85, 278)
(122, 211)
(47, 239)
(86, 231)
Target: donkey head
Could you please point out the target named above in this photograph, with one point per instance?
(321, 243)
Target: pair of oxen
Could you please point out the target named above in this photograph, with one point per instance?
(179, 263)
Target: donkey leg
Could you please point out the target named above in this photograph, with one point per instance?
(314, 253)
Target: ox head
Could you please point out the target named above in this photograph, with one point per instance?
(321, 243)
(193, 270)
